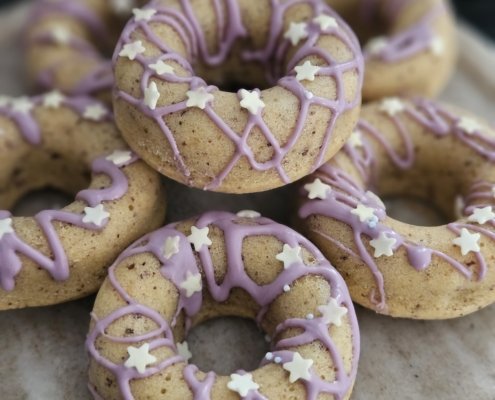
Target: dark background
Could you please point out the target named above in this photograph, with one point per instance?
(480, 13)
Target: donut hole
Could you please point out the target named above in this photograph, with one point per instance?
(414, 211)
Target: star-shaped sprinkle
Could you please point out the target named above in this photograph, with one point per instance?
(119, 157)
(248, 214)
(132, 50)
(310, 317)
(139, 358)
(286, 288)
(376, 45)
(61, 35)
(392, 106)
(53, 99)
(307, 71)
(199, 237)
(192, 284)
(5, 227)
(162, 68)
(151, 96)
(469, 125)
(22, 105)
(95, 215)
(355, 140)
(296, 32)
(277, 360)
(269, 356)
(482, 215)
(171, 246)
(251, 101)
(468, 242)
(332, 313)
(94, 112)
(198, 98)
(242, 384)
(183, 350)
(290, 255)
(143, 15)
(363, 212)
(317, 189)
(437, 46)
(325, 22)
(383, 245)
(298, 368)
(122, 7)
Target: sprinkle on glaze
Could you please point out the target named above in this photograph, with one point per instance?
(347, 194)
(183, 264)
(94, 218)
(271, 56)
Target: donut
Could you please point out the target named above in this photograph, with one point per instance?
(304, 57)
(67, 42)
(410, 46)
(420, 149)
(68, 144)
(222, 264)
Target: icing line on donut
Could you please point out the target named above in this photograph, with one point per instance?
(180, 265)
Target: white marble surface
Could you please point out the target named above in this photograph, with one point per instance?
(41, 350)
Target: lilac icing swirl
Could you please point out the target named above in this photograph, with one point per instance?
(271, 56)
(182, 264)
(346, 193)
(11, 245)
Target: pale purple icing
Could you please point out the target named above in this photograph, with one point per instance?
(176, 269)
(348, 193)
(271, 57)
(56, 263)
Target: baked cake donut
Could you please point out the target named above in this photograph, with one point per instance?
(410, 46)
(66, 144)
(300, 51)
(222, 264)
(421, 149)
(66, 43)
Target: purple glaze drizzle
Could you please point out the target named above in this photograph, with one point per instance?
(271, 57)
(348, 193)
(11, 245)
(176, 270)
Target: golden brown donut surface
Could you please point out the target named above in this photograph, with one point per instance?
(68, 144)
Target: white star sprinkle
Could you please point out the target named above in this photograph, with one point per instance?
(383, 245)
(269, 356)
(61, 35)
(171, 247)
(355, 140)
(469, 125)
(482, 215)
(94, 112)
(5, 227)
(143, 15)
(122, 7)
(199, 237)
(392, 106)
(119, 157)
(296, 32)
(290, 255)
(363, 213)
(332, 313)
(198, 98)
(325, 22)
(437, 46)
(317, 190)
(242, 384)
(22, 105)
(161, 68)
(139, 358)
(95, 215)
(286, 288)
(251, 101)
(53, 99)
(183, 350)
(468, 242)
(376, 45)
(298, 368)
(151, 96)
(248, 214)
(307, 71)
(192, 284)
(132, 50)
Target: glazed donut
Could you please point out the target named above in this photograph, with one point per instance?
(66, 143)
(410, 46)
(218, 265)
(248, 140)
(396, 268)
(66, 42)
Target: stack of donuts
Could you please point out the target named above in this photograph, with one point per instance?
(241, 97)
